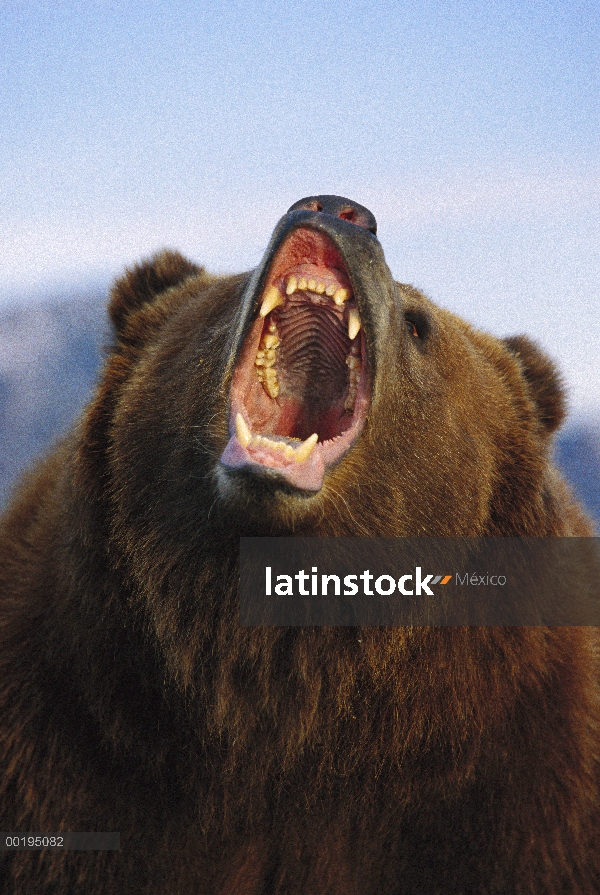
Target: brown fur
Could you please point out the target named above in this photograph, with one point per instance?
(241, 761)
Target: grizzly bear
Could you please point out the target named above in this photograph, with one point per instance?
(312, 396)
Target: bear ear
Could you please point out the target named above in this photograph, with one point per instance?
(542, 377)
(144, 282)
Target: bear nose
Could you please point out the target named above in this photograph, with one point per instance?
(339, 207)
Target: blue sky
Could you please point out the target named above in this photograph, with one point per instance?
(470, 129)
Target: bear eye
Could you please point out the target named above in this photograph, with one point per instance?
(418, 325)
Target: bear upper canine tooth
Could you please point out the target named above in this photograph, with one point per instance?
(272, 299)
(353, 323)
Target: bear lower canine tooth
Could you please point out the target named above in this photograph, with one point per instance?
(303, 452)
(242, 431)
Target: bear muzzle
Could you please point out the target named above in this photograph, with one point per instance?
(303, 360)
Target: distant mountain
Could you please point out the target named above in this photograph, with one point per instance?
(577, 454)
(50, 355)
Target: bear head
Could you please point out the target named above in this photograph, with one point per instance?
(316, 395)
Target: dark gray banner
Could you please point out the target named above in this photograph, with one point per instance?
(419, 581)
(57, 841)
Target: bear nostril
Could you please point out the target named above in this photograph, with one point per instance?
(339, 207)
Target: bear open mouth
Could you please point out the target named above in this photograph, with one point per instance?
(299, 394)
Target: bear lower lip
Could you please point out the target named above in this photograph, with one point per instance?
(299, 393)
